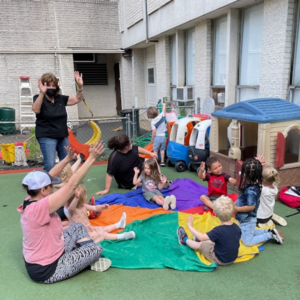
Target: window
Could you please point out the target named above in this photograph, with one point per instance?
(151, 75)
(292, 147)
(295, 87)
(219, 56)
(251, 45)
(190, 56)
(173, 62)
(93, 68)
(219, 61)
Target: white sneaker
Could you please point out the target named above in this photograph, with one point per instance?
(129, 235)
(173, 202)
(279, 220)
(123, 220)
(167, 201)
(101, 265)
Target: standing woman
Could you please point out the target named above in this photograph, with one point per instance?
(122, 161)
(51, 117)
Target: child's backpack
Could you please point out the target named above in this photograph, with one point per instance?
(292, 201)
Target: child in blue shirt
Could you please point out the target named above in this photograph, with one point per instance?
(159, 129)
(221, 244)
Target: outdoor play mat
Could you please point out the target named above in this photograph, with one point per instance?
(156, 244)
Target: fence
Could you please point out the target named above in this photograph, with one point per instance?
(134, 123)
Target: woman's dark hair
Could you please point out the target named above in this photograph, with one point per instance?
(33, 193)
(251, 174)
(48, 78)
(118, 142)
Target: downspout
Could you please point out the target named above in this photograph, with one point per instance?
(147, 28)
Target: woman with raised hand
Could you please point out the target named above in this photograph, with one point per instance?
(51, 117)
(51, 254)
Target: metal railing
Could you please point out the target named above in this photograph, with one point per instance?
(135, 124)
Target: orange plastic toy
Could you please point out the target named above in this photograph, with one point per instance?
(82, 149)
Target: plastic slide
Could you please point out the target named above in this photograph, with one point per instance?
(148, 147)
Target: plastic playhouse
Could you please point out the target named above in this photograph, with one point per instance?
(199, 144)
(266, 126)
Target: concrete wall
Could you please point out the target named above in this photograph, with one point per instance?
(30, 33)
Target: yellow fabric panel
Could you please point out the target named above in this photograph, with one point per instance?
(207, 222)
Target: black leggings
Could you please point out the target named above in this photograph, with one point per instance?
(73, 260)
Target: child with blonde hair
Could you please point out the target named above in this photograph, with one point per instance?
(265, 212)
(152, 183)
(221, 244)
(78, 214)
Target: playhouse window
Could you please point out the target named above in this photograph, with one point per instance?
(292, 147)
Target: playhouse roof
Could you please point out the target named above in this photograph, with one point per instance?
(262, 110)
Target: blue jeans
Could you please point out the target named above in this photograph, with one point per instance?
(49, 147)
(252, 236)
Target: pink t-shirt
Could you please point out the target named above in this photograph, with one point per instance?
(43, 240)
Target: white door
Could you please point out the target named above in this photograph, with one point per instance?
(151, 84)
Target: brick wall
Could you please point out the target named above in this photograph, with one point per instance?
(203, 60)
(48, 25)
(277, 48)
(162, 54)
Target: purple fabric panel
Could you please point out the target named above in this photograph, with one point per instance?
(186, 191)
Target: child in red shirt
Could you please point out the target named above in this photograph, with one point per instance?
(216, 179)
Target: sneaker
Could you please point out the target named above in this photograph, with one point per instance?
(162, 164)
(101, 265)
(123, 220)
(93, 214)
(173, 202)
(181, 234)
(279, 220)
(195, 239)
(267, 224)
(129, 235)
(166, 203)
(275, 235)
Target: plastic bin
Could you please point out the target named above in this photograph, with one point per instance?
(7, 114)
(8, 151)
(124, 113)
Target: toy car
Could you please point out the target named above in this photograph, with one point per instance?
(199, 145)
(177, 149)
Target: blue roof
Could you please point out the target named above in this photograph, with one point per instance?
(262, 110)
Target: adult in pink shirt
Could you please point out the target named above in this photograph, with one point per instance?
(51, 254)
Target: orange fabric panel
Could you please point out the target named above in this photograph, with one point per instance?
(114, 213)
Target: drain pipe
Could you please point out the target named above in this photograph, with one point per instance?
(147, 28)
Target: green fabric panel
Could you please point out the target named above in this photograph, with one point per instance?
(155, 246)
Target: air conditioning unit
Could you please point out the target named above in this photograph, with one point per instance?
(185, 93)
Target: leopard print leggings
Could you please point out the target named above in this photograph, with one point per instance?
(74, 260)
